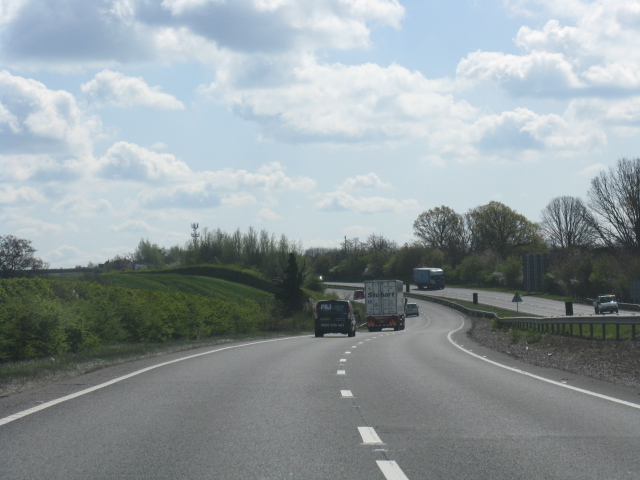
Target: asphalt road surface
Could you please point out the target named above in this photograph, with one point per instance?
(530, 304)
(423, 403)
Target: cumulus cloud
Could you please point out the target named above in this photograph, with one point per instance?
(103, 32)
(523, 130)
(117, 90)
(269, 177)
(12, 196)
(35, 119)
(41, 168)
(370, 180)
(83, 206)
(272, 26)
(127, 161)
(342, 201)
(134, 226)
(188, 196)
(69, 32)
(268, 214)
(320, 102)
(211, 189)
(595, 53)
(539, 73)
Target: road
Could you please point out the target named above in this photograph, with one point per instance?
(423, 403)
(530, 304)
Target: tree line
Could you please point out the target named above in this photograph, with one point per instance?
(593, 245)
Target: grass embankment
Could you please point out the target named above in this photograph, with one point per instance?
(51, 329)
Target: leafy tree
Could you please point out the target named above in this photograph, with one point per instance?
(401, 264)
(442, 228)
(614, 198)
(288, 291)
(511, 271)
(473, 270)
(496, 227)
(567, 223)
(17, 257)
(149, 254)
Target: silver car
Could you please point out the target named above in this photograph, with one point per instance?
(411, 310)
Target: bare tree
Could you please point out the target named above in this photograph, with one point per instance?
(378, 243)
(566, 223)
(614, 198)
(17, 256)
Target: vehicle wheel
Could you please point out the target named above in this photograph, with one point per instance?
(597, 312)
(616, 310)
(319, 334)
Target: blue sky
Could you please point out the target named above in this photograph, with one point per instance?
(317, 119)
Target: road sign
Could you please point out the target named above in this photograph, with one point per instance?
(517, 299)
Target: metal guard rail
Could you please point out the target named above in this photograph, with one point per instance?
(539, 324)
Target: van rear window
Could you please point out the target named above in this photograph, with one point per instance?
(333, 307)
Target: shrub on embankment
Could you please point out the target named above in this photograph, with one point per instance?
(48, 317)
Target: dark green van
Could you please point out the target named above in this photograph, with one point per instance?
(334, 316)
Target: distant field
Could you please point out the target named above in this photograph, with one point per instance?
(191, 284)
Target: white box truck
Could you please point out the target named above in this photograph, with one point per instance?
(384, 304)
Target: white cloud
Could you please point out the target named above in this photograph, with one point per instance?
(269, 177)
(540, 73)
(10, 195)
(319, 102)
(276, 26)
(238, 200)
(268, 214)
(357, 230)
(29, 227)
(127, 161)
(523, 129)
(134, 226)
(117, 90)
(342, 201)
(106, 32)
(83, 206)
(534, 8)
(592, 170)
(71, 256)
(595, 55)
(35, 119)
(370, 180)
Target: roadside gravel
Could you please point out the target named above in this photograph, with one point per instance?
(613, 361)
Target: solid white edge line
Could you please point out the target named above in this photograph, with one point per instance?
(24, 413)
(369, 436)
(537, 377)
(391, 470)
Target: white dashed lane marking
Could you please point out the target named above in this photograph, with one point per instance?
(391, 470)
(369, 436)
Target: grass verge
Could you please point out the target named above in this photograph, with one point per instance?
(22, 375)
